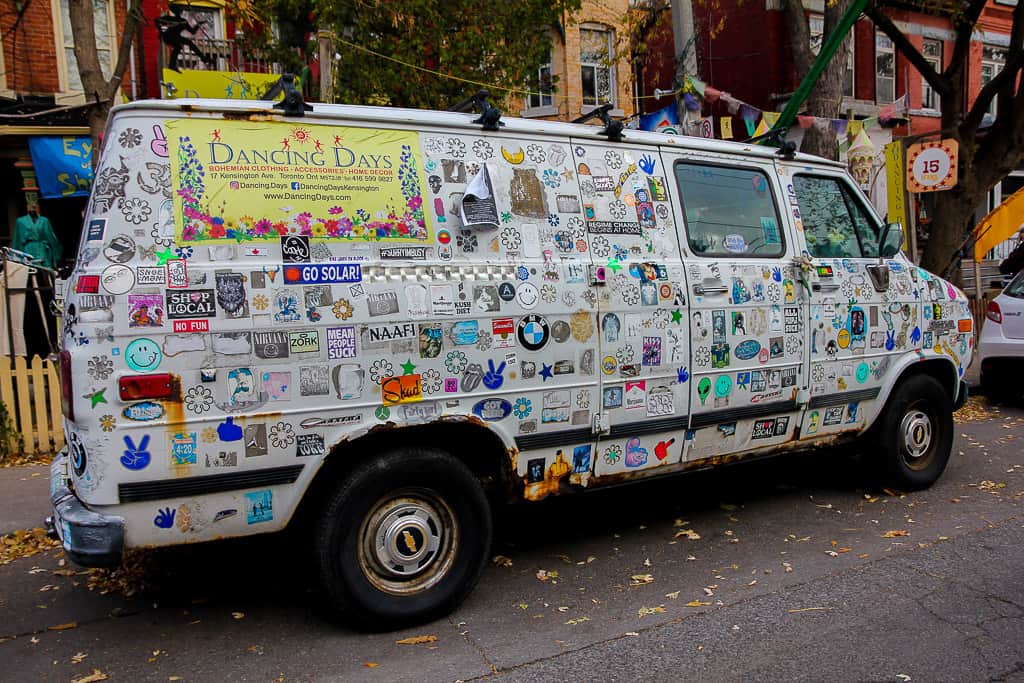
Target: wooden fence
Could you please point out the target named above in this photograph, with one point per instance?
(31, 395)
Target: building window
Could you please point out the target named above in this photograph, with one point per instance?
(993, 59)
(596, 67)
(542, 93)
(104, 50)
(816, 23)
(885, 69)
(932, 52)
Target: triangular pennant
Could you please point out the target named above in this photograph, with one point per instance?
(854, 127)
(750, 127)
(725, 122)
(712, 94)
(839, 126)
(762, 127)
(772, 117)
(805, 121)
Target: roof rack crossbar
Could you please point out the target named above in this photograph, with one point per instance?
(612, 128)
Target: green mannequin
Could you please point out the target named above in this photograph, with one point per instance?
(33, 234)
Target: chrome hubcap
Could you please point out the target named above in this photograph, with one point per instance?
(407, 539)
(407, 543)
(916, 429)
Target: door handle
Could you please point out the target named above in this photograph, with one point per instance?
(701, 290)
(824, 286)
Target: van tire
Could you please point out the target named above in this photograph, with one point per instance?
(403, 539)
(915, 434)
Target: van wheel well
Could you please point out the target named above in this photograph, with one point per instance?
(480, 449)
(941, 370)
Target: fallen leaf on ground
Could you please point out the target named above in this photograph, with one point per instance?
(370, 665)
(697, 603)
(641, 579)
(502, 561)
(78, 657)
(416, 640)
(688, 533)
(25, 543)
(63, 627)
(644, 611)
(238, 615)
(580, 620)
(545, 575)
(94, 677)
(893, 533)
(673, 595)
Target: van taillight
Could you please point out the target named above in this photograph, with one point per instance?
(136, 387)
(67, 403)
(994, 313)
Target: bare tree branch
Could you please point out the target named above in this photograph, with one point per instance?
(1008, 75)
(885, 25)
(964, 27)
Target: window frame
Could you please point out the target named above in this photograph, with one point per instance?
(929, 98)
(609, 34)
(996, 66)
(545, 91)
(849, 196)
(783, 242)
(890, 50)
(63, 43)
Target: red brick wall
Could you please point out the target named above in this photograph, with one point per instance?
(29, 52)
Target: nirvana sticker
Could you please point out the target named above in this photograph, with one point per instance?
(382, 303)
(191, 303)
(269, 345)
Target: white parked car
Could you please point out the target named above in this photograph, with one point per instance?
(1002, 340)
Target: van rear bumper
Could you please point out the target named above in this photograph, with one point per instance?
(89, 538)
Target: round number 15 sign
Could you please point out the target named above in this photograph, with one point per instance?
(931, 166)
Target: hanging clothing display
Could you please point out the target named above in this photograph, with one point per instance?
(33, 235)
(17, 280)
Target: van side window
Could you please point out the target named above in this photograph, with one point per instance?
(835, 224)
(729, 211)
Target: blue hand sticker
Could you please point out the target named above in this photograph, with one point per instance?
(228, 430)
(682, 375)
(647, 164)
(164, 518)
(915, 336)
(777, 274)
(890, 340)
(135, 457)
(493, 378)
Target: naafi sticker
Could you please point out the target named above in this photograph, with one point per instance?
(734, 243)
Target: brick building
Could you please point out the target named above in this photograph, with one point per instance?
(583, 72)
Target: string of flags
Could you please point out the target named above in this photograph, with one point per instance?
(755, 120)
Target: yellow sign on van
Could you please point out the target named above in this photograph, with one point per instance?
(240, 181)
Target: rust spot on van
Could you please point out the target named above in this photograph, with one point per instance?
(554, 477)
(255, 115)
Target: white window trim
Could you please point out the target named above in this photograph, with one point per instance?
(4, 91)
(612, 71)
(67, 96)
(544, 109)
(894, 70)
(993, 106)
(938, 69)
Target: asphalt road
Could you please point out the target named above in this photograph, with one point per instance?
(803, 570)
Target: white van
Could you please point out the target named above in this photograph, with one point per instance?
(390, 320)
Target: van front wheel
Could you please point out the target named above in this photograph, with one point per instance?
(916, 434)
(403, 539)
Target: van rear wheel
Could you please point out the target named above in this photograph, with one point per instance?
(916, 434)
(403, 539)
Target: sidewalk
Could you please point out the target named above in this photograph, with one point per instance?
(24, 497)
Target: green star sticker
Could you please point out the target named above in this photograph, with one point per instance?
(97, 397)
(407, 367)
(164, 256)
(677, 316)
(614, 265)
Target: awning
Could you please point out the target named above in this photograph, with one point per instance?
(1000, 225)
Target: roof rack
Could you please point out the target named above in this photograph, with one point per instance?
(292, 104)
(490, 116)
(612, 128)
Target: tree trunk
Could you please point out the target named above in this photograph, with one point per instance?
(950, 225)
(827, 97)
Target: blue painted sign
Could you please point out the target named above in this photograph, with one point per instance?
(63, 165)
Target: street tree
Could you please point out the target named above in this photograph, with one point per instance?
(100, 90)
(826, 99)
(438, 52)
(989, 147)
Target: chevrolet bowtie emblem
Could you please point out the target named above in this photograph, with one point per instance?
(410, 542)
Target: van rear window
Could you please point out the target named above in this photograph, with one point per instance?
(729, 211)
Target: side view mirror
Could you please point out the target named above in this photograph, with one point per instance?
(891, 241)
